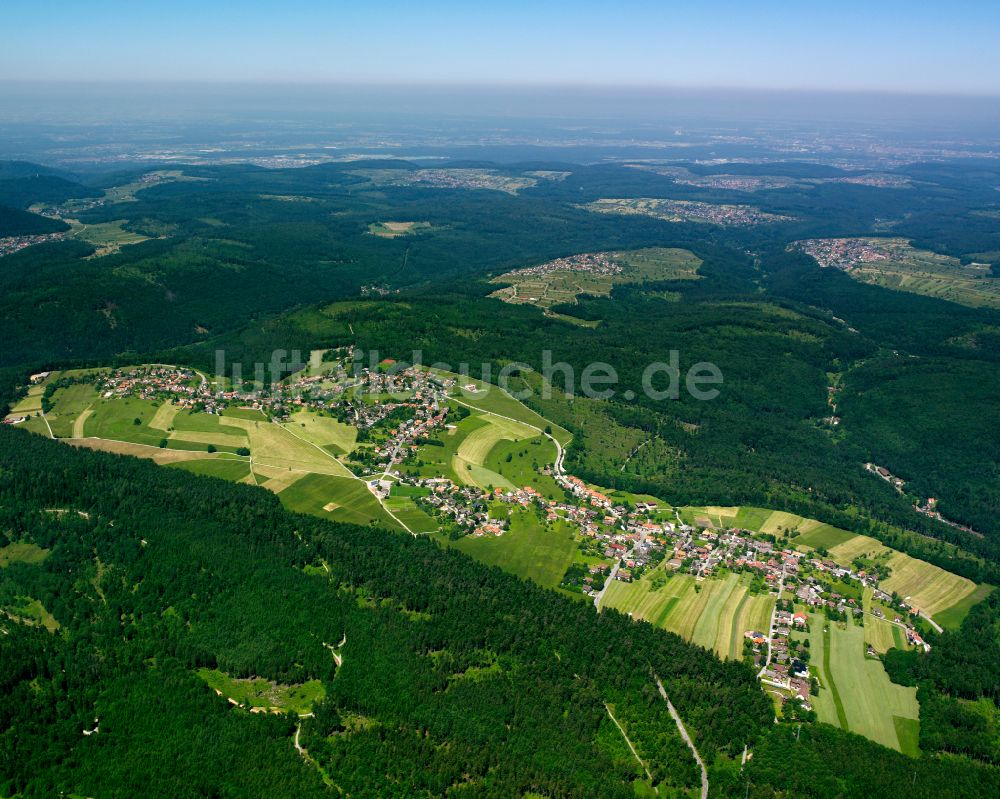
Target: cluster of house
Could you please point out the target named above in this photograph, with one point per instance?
(12, 244)
(419, 392)
(880, 471)
(842, 253)
(877, 179)
(929, 508)
(598, 263)
(468, 179)
(690, 211)
(788, 664)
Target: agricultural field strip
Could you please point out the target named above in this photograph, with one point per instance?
(351, 474)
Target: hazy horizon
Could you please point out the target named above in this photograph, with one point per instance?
(854, 46)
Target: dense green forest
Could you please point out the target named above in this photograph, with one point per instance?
(152, 573)
(456, 678)
(15, 222)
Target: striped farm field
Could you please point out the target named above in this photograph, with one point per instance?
(30, 402)
(713, 613)
(273, 445)
(232, 440)
(930, 588)
(951, 618)
(856, 546)
(883, 635)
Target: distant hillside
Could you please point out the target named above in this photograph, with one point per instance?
(28, 169)
(21, 192)
(15, 222)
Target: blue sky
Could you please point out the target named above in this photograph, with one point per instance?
(877, 45)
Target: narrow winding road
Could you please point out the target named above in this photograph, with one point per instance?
(687, 739)
(621, 729)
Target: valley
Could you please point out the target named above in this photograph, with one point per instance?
(433, 453)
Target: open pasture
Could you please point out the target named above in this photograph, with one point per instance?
(951, 618)
(857, 546)
(232, 469)
(105, 237)
(273, 445)
(67, 406)
(30, 402)
(864, 700)
(153, 452)
(323, 431)
(409, 513)
(394, 230)
(519, 461)
(494, 400)
(530, 549)
(31, 611)
(349, 499)
(116, 419)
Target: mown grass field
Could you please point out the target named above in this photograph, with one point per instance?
(951, 618)
(393, 230)
(476, 446)
(882, 633)
(163, 419)
(931, 588)
(529, 549)
(115, 419)
(492, 399)
(439, 461)
(409, 513)
(520, 461)
(856, 693)
(231, 469)
(257, 692)
(348, 500)
(31, 402)
(273, 445)
(106, 237)
(67, 405)
(324, 431)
